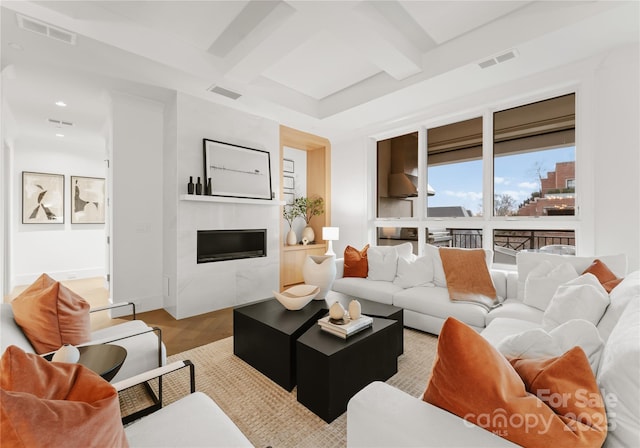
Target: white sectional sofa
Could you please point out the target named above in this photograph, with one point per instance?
(427, 305)
(383, 416)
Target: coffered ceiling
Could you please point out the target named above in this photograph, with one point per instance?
(323, 63)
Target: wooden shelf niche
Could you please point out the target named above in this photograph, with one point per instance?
(318, 183)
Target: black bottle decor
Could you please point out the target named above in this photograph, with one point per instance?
(190, 185)
(208, 188)
(199, 187)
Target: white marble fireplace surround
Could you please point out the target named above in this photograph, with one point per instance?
(210, 286)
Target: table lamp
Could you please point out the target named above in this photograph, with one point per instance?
(330, 234)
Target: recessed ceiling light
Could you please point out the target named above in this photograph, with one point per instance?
(16, 46)
(61, 103)
(60, 135)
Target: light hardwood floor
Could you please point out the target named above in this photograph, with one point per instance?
(178, 335)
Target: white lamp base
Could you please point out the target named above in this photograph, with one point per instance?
(330, 249)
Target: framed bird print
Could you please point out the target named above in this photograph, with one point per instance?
(42, 198)
(87, 200)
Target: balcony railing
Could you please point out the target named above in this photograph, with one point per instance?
(516, 240)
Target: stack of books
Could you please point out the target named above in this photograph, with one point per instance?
(347, 329)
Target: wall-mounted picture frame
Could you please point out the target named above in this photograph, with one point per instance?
(289, 198)
(289, 182)
(42, 198)
(237, 171)
(288, 166)
(87, 200)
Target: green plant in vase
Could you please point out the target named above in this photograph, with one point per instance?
(290, 212)
(309, 207)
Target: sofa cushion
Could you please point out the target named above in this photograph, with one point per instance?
(51, 315)
(582, 298)
(355, 262)
(537, 343)
(383, 260)
(439, 277)
(515, 309)
(363, 288)
(526, 261)
(56, 404)
(418, 272)
(473, 380)
(627, 291)
(435, 302)
(618, 378)
(468, 278)
(543, 281)
(499, 329)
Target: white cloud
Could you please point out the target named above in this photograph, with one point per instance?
(469, 195)
(529, 185)
(501, 180)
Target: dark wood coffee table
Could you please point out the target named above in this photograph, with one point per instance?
(265, 333)
(331, 370)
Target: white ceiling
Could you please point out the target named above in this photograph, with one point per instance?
(329, 66)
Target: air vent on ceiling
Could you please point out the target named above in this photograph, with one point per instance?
(224, 92)
(499, 59)
(44, 29)
(59, 123)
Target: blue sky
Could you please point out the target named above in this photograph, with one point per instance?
(461, 183)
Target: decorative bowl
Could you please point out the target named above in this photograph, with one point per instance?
(297, 297)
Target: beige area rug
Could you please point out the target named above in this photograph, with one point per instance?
(266, 413)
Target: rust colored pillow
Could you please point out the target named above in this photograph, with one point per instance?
(566, 384)
(472, 380)
(607, 279)
(356, 263)
(51, 315)
(468, 279)
(56, 404)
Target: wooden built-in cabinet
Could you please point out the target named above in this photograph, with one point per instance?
(318, 183)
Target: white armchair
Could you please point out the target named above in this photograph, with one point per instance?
(195, 420)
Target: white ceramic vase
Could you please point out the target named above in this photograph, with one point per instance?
(320, 270)
(308, 233)
(66, 353)
(292, 240)
(355, 309)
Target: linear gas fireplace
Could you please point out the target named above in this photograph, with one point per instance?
(222, 245)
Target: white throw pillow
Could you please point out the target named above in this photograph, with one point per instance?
(537, 343)
(544, 280)
(439, 277)
(582, 298)
(526, 261)
(418, 272)
(383, 260)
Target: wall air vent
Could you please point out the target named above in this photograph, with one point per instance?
(224, 92)
(59, 123)
(498, 59)
(44, 29)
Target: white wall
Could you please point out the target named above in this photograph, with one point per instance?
(64, 251)
(199, 288)
(136, 171)
(607, 141)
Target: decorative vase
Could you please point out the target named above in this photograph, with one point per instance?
(208, 189)
(336, 311)
(355, 310)
(292, 239)
(66, 353)
(319, 270)
(309, 234)
(199, 187)
(190, 186)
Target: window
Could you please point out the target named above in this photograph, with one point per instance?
(392, 236)
(397, 181)
(571, 184)
(454, 170)
(534, 158)
(507, 243)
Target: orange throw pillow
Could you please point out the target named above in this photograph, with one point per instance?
(468, 279)
(607, 279)
(566, 384)
(56, 404)
(51, 315)
(356, 263)
(472, 380)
